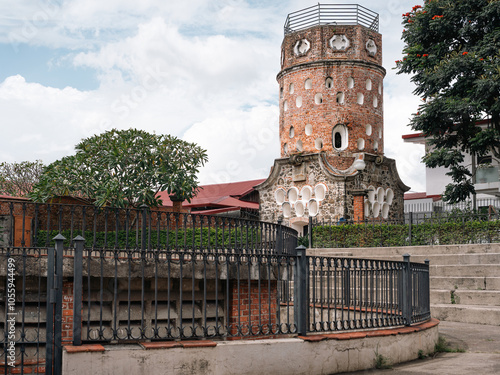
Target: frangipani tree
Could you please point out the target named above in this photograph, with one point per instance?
(125, 168)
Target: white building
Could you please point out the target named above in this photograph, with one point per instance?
(487, 181)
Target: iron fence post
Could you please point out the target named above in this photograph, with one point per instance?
(144, 209)
(78, 290)
(310, 232)
(428, 288)
(300, 291)
(51, 300)
(58, 286)
(279, 239)
(410, 218)
(407, 290)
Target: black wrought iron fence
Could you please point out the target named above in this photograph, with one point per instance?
(28, 224)
(135, 275)
(351, 294)
(129, 296)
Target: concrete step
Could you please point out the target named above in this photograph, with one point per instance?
(473, 314)
(367, 252)
(466, 297)
(469, 283)
(469, 270)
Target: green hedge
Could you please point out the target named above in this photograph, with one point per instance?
(435, 233)
(193, 238)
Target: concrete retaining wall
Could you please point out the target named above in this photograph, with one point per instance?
(316, 354)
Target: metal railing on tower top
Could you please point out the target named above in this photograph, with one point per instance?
(331, 14)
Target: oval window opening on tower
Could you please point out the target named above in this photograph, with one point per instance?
(309, 129)
(350, 83)
(329, 82)
(339, 137)
(368, 84)
(292, 132)
(318, 98)
(318, 143)
(361, 144)
(368, 129)
(340, 97)
(291, 88)
(308, 84)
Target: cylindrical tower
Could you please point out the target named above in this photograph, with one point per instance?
(332, 165)
(331, 84)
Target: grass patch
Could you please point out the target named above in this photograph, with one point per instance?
(442, 346)
(421, 354)
(381, 362)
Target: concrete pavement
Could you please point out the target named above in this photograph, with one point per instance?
(481, 357)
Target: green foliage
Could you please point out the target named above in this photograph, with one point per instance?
(452, 230)
(304, 241)
(381, 362)
(453, 53)
(18, 179)
(188, 238)
(442, 346)
(124, 168)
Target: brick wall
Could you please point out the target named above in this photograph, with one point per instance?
(253, 307)
(351, 72)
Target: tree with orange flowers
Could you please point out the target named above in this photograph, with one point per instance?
(452, 52)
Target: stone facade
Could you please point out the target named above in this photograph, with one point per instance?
(332, 163)
(380, 174)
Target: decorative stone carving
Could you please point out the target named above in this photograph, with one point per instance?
(299, 173)
(301, 47)
(339, 42)
(371, 47)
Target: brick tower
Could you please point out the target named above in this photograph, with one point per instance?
(331, 127)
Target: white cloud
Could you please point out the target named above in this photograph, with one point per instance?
(241, 145)
(204, 71)
(36, 121)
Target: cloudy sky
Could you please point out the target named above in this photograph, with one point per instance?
(202, 70)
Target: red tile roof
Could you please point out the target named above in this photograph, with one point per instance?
(220, 195)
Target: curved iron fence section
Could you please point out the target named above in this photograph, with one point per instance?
(181, 295)
(331, 14)
(27, 224)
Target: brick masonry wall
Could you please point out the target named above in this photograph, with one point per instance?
(67, 313)
(253, 307)
(313, 122)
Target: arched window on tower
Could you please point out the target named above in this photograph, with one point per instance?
(340, 137)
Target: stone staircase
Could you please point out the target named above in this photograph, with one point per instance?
(465, 279)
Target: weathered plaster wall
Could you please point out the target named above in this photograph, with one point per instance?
(320, 354)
